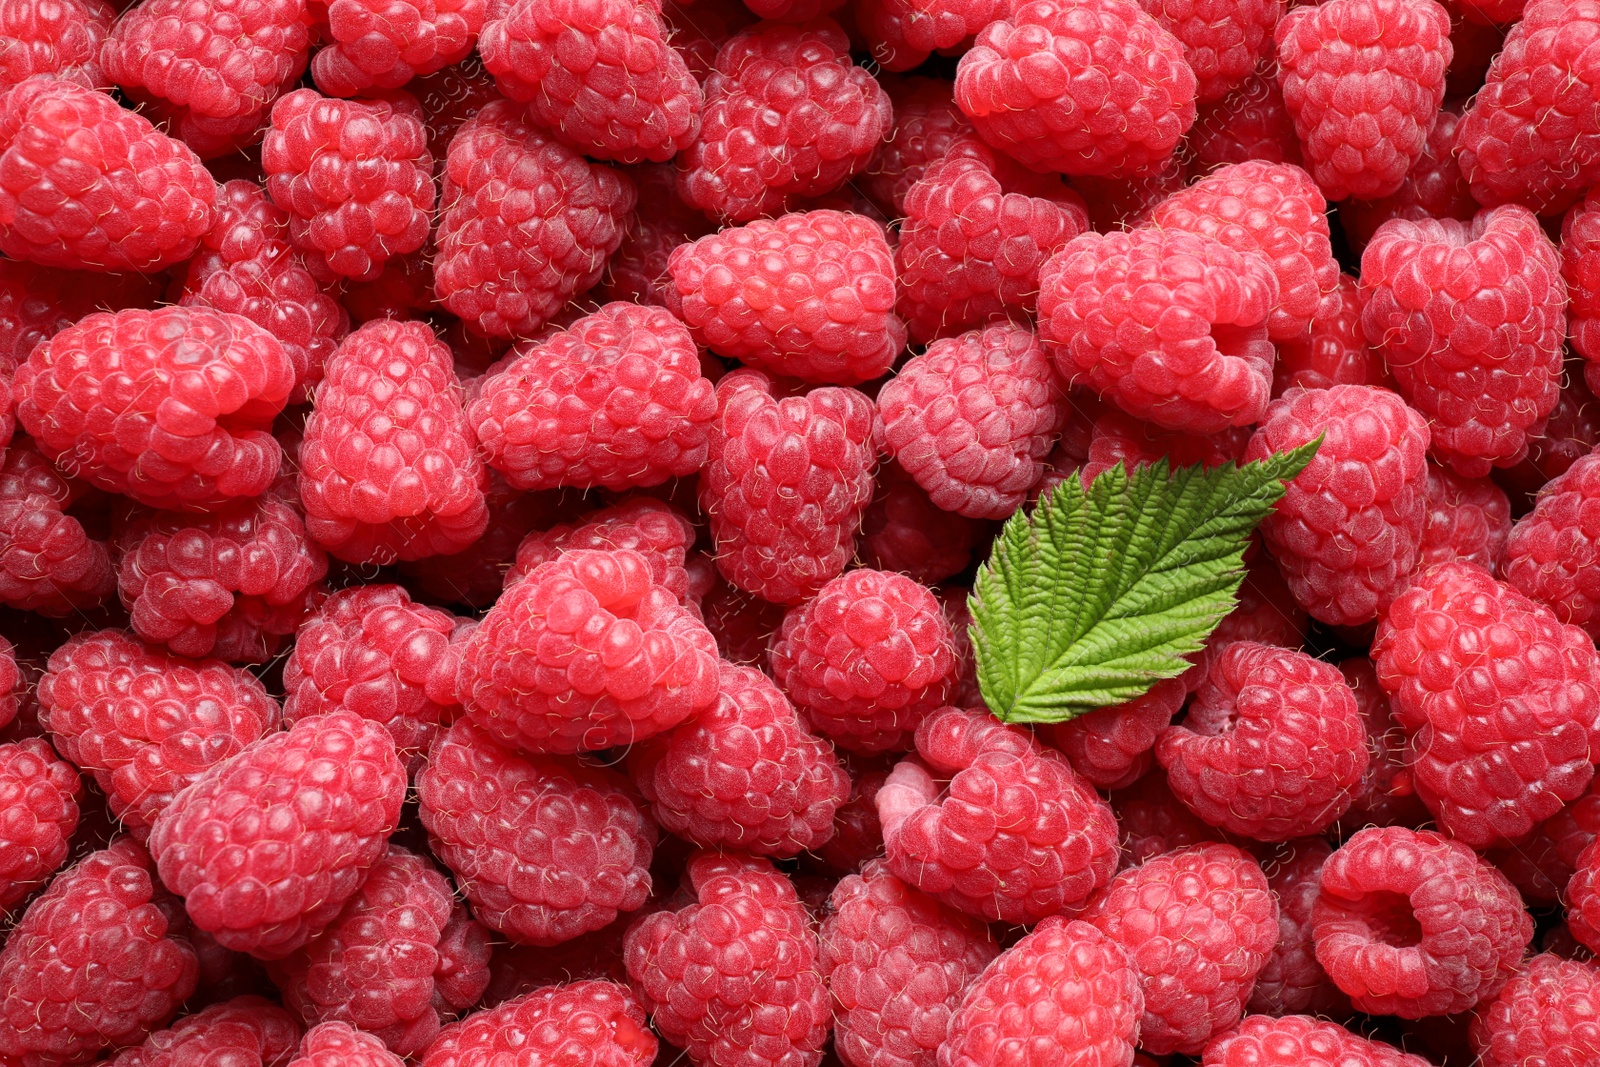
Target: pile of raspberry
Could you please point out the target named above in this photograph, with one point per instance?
(490, 492)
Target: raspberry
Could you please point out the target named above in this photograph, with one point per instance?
(1386, 795)
(1548, 1014)
(36, 303)
(515, 970)
(1151, 821)
(1112, 746)
(1530, 136)
(170, 407)
(400, 958)
(39, 796)
(96, 962)
(745, 774)
(48, 562)
(903, 33)
(866, 659)
(809, 295)
(733, 977)
(1301, 1041)
(247, 1030)
(1350, 525)
(1169, 326)
(1468, 520)
(1037, 86)
(266, 847)
(232, 584)
(897, 964)
(1266, 613)
(475, 575)
(786, 484)
(341, 1045)
(1580, 267)
(857, 832)
(451, 96)
(1117, 440)
(246, 266)
(927, 124)
(741, 623)
(1013, 835)
(903, 531)
(1570, 433)
(584, 1024)
(701, 27)
(638, 272)
(1484, 372)
(1118, 203)
(507, 265)
(652, 529)
(789, 86)
(146, 723)
(599, 75)
(64, 38)
(1223, 42)
(1583, 898)
(370, 650)
(211, 69)
(1412, 924)
(378, 44)
(587, 652)
(1433, 188)
(1270, 208)
(1541, 865)
(1363, 80)
(953, 602)
(354, 176)
(1198, 925)
(1292, 981)
(1335, 352)
(88, 185)
(1251, 122)
(1489, 775)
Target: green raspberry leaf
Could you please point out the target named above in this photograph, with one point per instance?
(1097, 595)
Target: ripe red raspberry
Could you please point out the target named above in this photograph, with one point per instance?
(87, 185)
(402, 957)
(744, 774)
(1251, 122)
(789, 86)
(1335, 352)
(1169, 326)
(210, 70)
(339, 1044)
(1118, 203)
(1569, 434)
(232, 584)
(1117, 439)
(1582, 897)
(1433, 188)
(370, 650)
(898, 964)
(1273, 746)
(194, 433)
(638, 272)
(1580, 267)
(600, 76)
(1548, 1014)
(1292, 981)
(972, 417)
(809, 295)
(927, 123)
(733, 977)
(1530, 136)
(1301, 1041)
(1489, 775)
(902, 34)
(96, 962)
(48, 563)
(475, 575)
(36, 303)
(1484, 374)
(39, 797)
(146, 723)
(1363, 80)
(904, 532)
(741, 623)
(1151, 821)
(866, 659)
(1552, 552)
(1222, 40)
(387, 467)
(1012, 835)
(647, 526)
(355, 177)
(857, 831)
(978, 228)
(246, 266)
(583, 1024)
(1468, 519)
(378, 44)
(1350, 525)
(1112, 746)
(248, 1031)
(1410, 923)
(1387, 794)
(1270, 208)
(1036, 85)
(507, 263)
(266, 847)
(786, 484)
(63, 37)
(546, 849)
(1065, 987)
(616, 400)
(701, 27)
(587, 652)
(1266, 613)
(516, 970)
(1198, 924)
(1542, 865)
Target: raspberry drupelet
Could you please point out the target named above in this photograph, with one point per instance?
(584, 1024)
(1223, 41)
(1350, 525)
(1549, 1013)
(338, 1044)
(63, 38)
(49, 563)
(39, 796)
(246, 1030)
(145, 723)
(902, 34)
(1456, 653)
(1412, 924)
(1052, 853)
(379, 44)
